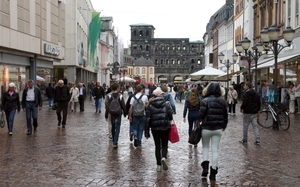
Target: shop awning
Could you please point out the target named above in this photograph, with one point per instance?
(271, 62)
(163, 79)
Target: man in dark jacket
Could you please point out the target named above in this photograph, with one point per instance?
(98, 95)
(250, 109)
(50, 94)
(82, 96)
(31, 103)
(61, 99)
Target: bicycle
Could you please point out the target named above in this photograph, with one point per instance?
(278, 113)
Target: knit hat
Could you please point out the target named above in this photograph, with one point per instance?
(157, 92)
(11, 85)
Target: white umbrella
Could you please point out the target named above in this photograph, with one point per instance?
(208, 73)
(38, 78)
(126, 79)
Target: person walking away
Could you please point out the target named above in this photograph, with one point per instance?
(31, 103)
(115, 107)
(168, 98)
(214, 117)
(147, 91)
(74, 92)
(131, 136)
(61, 99)
(250, 108)
(98, 94)
(50, 94)
(137, 114)
(108, 95)
(10, 104)
(158, 119)
(297, 95)
(231, 96)
(176, 91)
(82, 96)
(192, 104)
(292, 98)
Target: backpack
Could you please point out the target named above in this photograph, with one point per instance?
(138, 107)
(114, 107)
(169, 103)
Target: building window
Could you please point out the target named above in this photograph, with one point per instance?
(178, 61)
(137, 70)
(192, 61)
(297, 13)
(151, 70)
(162, 48)
(167, 61)
(161, 61)
(289, 9)
(156, 62)
(199, 61)
(141, 33)
(184, 48)
(147, 33)
(178, 48)
(173, 61)
(141, 47)
(143, 70)
(147, 48)
(134, 33)
(168, 47)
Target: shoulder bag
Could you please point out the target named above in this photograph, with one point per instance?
(2, 120)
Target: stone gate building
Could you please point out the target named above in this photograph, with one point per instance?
(174, 58)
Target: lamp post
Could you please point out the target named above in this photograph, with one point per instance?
(124, 69)
(270, 37)
(255, 54)
(227, 64)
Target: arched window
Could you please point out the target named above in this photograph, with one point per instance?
(141, 47)
(178, 61)
(141, 33)
(134, 33)
(178, 48)
(156, 62)
(147, 33)
(162, 47)
(161, 61)
(184, 48)
(151, 70)
(173, 61)
(137, 70)
(192, 61)
(167, 61)
(151, 80)
(147, 48)
(199, 61)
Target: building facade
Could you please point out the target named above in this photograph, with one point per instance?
(173, 58)
(32, 38)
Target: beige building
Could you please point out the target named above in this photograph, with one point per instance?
(143, 70)
(32, 37)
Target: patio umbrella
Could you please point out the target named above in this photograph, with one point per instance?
(38, 78)
(208, 74)
(126, 79)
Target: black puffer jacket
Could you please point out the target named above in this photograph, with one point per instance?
(158, 116)
(251, 102)
(213, 110)
(10, 102)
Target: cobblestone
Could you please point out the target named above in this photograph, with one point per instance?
(82, 155)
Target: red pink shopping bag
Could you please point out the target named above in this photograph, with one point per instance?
(173, 134)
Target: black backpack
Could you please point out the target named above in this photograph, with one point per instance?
(114, 106)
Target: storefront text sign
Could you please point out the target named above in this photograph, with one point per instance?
(51, 49)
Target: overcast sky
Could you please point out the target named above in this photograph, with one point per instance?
(170, 18)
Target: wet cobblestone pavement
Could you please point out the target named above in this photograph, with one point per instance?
(82, 155)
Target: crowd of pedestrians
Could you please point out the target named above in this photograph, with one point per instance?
(150, 110)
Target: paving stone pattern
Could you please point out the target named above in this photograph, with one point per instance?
(82, 155)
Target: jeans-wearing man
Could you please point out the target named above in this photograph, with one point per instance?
(98, 94)
(31, 103)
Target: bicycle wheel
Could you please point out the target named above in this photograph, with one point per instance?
(265, 119)
(283, 121)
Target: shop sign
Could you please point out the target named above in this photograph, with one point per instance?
(51, 49)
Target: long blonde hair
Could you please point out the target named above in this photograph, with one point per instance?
(194, 97)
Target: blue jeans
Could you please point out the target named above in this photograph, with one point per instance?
(115, 129)
(31, 111)
(50, 101)
(10, 116)
(247, 119)
(192, 118)
(138, 124)
(98, 103)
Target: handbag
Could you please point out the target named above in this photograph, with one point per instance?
(234, 100)
(196, 134)
(2, 120)
(173, 134)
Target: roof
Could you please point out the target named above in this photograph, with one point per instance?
(142, 62)
(141, 24)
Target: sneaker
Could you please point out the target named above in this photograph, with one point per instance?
(110, 137)
(195, 145)
(29, 133)
(115, 146)
(164, 163)
(131, 137)
(158, 168)
(229, 113)
(135, 143)
(257, 143)
(10, 133)
(243, 141)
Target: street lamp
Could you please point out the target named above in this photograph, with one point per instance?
(227, 64)
(270, 37)
(255, 54)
